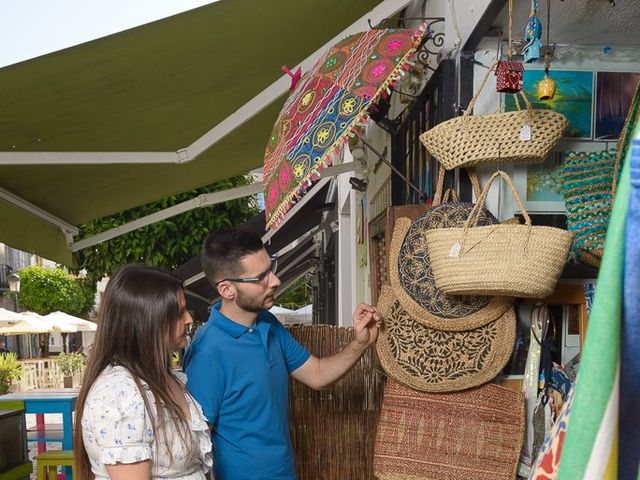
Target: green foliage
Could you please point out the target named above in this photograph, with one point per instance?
(10, 371)
(87, 287)
(70, 363)
(296, 296)
(46, 290)
(175, 359)
(165, 244)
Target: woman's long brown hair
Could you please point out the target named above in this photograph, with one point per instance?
(136, 324)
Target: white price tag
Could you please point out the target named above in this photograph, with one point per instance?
(455, 250)
(525, 133)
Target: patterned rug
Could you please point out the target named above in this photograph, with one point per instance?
(472, 435)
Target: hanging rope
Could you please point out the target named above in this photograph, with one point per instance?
(510, 26)
(547, 55)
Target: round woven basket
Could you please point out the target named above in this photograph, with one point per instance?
(413, 282)
(432, 360)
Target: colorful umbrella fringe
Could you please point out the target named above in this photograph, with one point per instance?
(329, 103)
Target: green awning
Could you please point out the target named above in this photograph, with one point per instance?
(153, 88)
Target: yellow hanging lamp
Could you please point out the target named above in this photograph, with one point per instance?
(546, 88)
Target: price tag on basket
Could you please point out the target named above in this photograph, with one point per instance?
(525, 133)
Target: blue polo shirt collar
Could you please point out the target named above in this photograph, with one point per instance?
(235, 329)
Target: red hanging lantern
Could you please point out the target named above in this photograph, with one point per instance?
(509, 72)
(509, 76)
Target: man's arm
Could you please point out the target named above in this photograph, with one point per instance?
(319, 373)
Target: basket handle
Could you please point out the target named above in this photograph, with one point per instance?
(475, 212)
(477, 94)
(450, 195)
(438, 198)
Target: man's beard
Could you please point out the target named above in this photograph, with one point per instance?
(251, 304)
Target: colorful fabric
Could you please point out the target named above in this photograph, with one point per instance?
(539, 322)
(546, 465)
(475, 434)
(327, 103)
(629, 440)
(591, 444)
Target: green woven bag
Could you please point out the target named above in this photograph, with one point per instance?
(587, 183)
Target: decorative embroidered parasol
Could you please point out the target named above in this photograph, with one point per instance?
(325, 106)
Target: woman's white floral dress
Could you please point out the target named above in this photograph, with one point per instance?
(116, 429)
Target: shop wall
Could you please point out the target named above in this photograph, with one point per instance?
(595, 58)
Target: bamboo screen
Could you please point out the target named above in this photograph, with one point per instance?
(333, 431)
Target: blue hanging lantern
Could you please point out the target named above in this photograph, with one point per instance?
(532, 35)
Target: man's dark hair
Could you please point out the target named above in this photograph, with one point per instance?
(223, 250)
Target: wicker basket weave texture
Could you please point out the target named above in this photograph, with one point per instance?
(587, 186)
(487, 139)
(508, 260)
(433, 360)
(505, 259)
(476, 434)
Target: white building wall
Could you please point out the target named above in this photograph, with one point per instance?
(575, 57)
(354, 265)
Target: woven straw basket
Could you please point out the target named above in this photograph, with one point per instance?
(484, 139)
(505, 259)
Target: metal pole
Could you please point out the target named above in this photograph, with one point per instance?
(422, 195)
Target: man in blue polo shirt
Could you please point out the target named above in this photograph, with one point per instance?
(238, 363)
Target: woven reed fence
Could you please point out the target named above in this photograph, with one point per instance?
(333, 431)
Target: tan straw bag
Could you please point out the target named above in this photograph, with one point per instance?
(504, 259)
(525, 136)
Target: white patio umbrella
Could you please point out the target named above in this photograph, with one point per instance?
(29, 323)
(281, 313)
(65, 323)
(302, 315)
(8, 318)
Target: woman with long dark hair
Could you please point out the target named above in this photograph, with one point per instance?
(135, 419)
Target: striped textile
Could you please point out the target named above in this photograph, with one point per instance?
(591, 445)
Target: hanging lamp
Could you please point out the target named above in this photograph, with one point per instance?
(546, 88)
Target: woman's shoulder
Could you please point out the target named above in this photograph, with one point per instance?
(115, 387)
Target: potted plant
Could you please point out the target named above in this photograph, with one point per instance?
(70, 365)
(10, 371)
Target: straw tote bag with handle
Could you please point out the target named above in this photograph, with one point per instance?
(505, 259)
(524, 136)
(410, 273)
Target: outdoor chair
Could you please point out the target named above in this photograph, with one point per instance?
(47, 463)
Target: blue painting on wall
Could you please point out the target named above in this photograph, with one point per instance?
(615, 91)
(573, 98)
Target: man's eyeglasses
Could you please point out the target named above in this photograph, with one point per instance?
(259, 279)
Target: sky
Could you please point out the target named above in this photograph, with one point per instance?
(30, 28)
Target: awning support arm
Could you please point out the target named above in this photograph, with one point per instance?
(204, 200)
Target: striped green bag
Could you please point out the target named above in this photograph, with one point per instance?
(587, 183)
